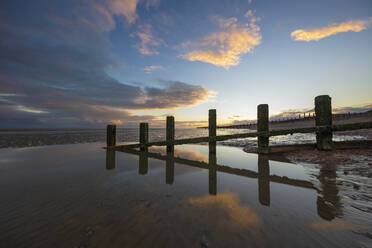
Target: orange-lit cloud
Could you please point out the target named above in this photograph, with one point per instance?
(176, 95)
(239, 216)
(150, 68)
(332, 29)
(224, 48)
(147, 40)
(117, 122)
(337, 225)
(127, 8)
(182, 153)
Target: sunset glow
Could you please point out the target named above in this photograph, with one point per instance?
(89, 63)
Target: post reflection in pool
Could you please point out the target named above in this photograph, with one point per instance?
(169, 169)
(263, 180)
(328, 202)
(110, 159)
(212, 169)
(328, 193)
(143, 163)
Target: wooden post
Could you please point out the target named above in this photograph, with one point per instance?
(111, 135)
(212, 120)
(323, 117)
(170, 132)
(144, 136)
(263, 126)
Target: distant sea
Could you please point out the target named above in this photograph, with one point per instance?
(41, 137)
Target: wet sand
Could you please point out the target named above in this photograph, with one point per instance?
(83, 196)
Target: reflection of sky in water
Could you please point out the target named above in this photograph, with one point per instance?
(66, 185)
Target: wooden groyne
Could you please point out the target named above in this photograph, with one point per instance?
(295, 119)
(323, 128)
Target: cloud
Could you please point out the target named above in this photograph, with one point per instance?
(147, 40)
(252, 18)
(332, 29)
(232, 210)
(152, 4)
(127, 8)
(150, 68)
(224, 48)
(55, 74)
(176, 94)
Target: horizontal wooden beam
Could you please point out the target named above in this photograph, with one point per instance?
(335, 128)
(226, 169)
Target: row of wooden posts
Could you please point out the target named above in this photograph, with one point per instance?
(323, 129)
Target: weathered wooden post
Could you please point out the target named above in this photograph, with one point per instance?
(144, 136)
(212, 126)
(263, 180)
(170, 132)
(263, 126)
(111, 135)
(323, 117)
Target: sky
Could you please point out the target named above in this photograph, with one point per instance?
(88, 63)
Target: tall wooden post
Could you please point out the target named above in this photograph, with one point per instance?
(212, 126)
(263, 126)
(323, 117)
(144, 136)
(111, 135)
(170, 132)
(263, 180)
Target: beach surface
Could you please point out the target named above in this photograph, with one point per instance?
(84, 196)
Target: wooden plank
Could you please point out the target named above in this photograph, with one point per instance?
(338, 127)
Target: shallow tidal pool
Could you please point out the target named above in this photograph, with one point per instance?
(84, 196)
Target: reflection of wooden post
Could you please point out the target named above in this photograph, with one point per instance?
(169, 169)
(110, 159)
(144, 135)
(212, 170)
(212, 120)
(323, 117)
(328, 202)
(263, 180)
(170, 132)
(111, 135)
(143, 163)
(263, 126)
